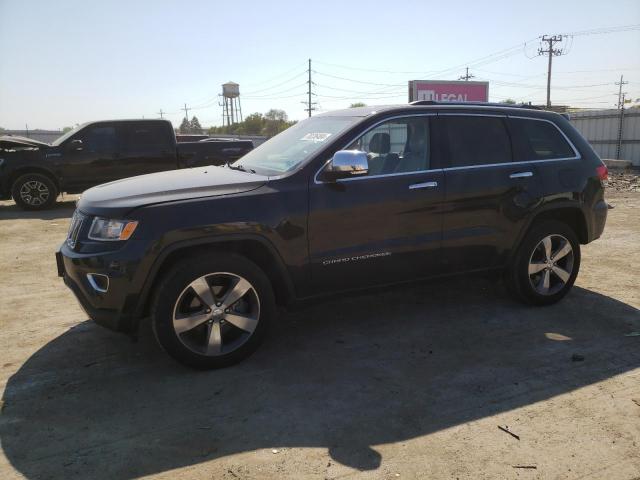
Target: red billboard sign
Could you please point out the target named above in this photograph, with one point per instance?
(448, 91)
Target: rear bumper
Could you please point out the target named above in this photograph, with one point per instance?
(599, 219)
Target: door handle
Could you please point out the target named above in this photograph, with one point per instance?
(416, 186)
(521, 175)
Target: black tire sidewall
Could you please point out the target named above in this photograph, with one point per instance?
(518, 277)
(184, 273)
(21, 180)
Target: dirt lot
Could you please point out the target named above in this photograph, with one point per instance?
(409, 383)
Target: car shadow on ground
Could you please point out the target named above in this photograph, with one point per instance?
(346, 375)
(64, 207)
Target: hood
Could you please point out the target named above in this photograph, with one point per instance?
(10, 142)
(129, 193)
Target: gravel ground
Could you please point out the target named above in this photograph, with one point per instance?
(413, 382)
(624, 181)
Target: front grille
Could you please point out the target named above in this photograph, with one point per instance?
(74, 229)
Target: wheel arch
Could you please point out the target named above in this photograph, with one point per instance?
(254, 247)
(566, 212)
(17, 173)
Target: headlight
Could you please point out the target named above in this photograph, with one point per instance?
(107, 229)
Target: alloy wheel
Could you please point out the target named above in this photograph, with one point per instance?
(551, 264)
(216, 314)
(34, 193)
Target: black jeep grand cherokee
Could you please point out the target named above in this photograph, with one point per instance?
(343, 200)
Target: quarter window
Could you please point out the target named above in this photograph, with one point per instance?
(396, 146)
(538, 140)
(476, 140)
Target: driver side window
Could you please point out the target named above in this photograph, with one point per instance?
(397, 146)
(100, 139)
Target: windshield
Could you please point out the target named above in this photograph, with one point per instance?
(58, 141)
(295, 145)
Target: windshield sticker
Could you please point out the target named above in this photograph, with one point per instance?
(316, 137)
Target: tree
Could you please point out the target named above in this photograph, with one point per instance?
(357, 104)
(67, 129)
(185, 126)
(275, 122)
(509, 101)
(195, 126)
(269, 124)
(253, 124)
(276, 115)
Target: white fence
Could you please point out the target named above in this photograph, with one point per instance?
(602, 128)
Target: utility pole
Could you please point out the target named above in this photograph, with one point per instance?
(161, 112)
(467, 76)
(310, 104)
(186, 111)
(620, 94)
(26, 126)
(551, 52)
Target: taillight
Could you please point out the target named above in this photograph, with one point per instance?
(603, 172)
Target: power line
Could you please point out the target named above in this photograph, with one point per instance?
(297, 67)
(604, 30)
(272, 94)
(359, 81)
(347, 67)
(379, 92)
(551, 52)
(277, 85)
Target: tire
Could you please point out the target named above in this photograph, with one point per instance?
(536, 278)
(220, 325)
(34, 191)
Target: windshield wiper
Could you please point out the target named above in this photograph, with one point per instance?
(240, 167)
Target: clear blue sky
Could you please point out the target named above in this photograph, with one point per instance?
(67, 62)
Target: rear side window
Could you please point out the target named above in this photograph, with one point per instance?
(476, 140)
(146, 137)
(538, 140)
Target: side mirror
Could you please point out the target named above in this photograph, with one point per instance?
(75, 145)
(347, 163)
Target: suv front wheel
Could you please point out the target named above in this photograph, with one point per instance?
(214, 311)
(546, 264)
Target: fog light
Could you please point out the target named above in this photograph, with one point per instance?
(99, 282)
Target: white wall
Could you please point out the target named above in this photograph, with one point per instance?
(600, 128)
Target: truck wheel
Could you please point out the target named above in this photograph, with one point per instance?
(214, 311)
(546, 264)
(34, 191)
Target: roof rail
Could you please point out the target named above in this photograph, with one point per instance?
(483, 104)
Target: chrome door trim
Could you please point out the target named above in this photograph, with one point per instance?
(416, 186)
(521, 175)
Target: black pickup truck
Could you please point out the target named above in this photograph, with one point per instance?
(34, 173)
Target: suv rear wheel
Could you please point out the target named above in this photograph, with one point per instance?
(34, 191)
(213, 312)
(546, 264)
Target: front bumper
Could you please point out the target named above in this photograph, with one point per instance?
(113, 308)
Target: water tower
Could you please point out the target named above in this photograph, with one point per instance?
(231, 110)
